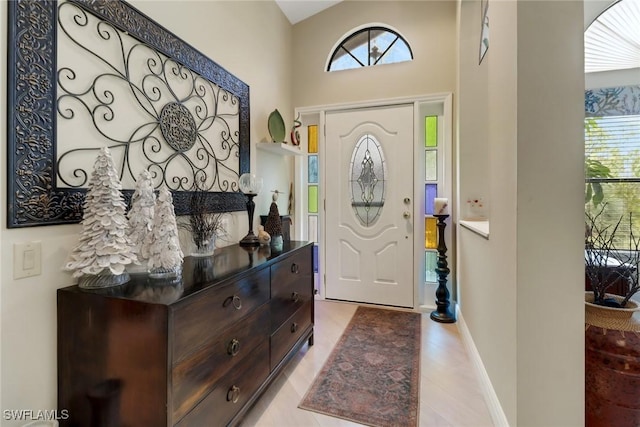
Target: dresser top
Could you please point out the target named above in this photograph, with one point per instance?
(198, 273)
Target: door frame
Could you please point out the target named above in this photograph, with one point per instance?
(424, 295)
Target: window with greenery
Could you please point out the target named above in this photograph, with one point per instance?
(612, 159)
(370, 46)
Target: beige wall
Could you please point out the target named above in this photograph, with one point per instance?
(428, 26)
(487, 168)
(251, 40)
(521, 291)
(550, 222)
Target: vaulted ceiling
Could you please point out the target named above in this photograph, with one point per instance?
(299, 10)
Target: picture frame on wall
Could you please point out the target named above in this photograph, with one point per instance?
(484, 29)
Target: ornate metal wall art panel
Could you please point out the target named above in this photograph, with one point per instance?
(110, 76)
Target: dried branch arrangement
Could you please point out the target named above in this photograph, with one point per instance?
(203, 225)
(606, 263)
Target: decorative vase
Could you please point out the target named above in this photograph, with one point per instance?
(276, 242)
(104, 279)
(612, 364)
(206, 247)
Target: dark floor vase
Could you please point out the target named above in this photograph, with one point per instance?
(612, 365)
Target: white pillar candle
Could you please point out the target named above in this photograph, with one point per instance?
(440, 206)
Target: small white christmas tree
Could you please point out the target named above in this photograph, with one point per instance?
(104, 245)
(141, 217)
(165, 255)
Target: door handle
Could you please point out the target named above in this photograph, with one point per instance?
(406, 215)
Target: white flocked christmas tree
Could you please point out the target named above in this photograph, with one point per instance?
(104, 249)
(165, 255)
(141, 219)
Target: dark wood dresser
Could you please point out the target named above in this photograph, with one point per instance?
(197, 351)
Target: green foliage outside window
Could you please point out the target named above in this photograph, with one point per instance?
(612, 175)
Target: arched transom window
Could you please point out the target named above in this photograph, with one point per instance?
(365, 47)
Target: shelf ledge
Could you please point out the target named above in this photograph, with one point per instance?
(479, 227)
(280, 148)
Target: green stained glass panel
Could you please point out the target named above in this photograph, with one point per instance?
(431, 131)
(313, 198)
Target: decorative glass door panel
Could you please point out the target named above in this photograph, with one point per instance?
(368, 175)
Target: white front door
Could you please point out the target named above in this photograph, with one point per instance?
(369, 205)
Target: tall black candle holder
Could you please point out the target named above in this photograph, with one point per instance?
(250, 185)
(250, 239)
(442, 314)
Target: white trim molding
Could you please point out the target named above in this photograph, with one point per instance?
(495, 409)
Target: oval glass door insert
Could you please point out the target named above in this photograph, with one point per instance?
(368, 176)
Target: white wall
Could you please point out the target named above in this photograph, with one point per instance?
(521, 291)
(251, 39)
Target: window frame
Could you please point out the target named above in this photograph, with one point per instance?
(339, 46)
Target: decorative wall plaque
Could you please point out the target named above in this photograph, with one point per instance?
(85, 74)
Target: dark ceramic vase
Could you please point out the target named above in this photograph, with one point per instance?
(612, 365)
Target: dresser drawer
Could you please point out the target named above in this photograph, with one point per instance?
(291, 330)
(231, 392)
(196, 374)
(198, 318)
(291, 286)
(291, 269)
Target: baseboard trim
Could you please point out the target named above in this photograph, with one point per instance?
(495, 409)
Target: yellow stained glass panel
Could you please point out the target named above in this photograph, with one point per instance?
(313, 139)
(430, 233)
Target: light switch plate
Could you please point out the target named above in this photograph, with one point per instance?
(27, 259)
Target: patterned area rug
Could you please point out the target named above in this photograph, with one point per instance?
(372, 376)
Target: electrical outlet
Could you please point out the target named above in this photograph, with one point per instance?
(27, 259)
